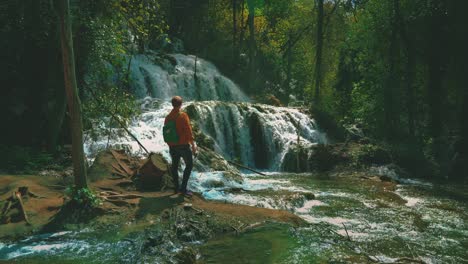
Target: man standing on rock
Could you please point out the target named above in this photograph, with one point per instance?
(178, 135)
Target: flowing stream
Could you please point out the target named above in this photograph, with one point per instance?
(349, 220)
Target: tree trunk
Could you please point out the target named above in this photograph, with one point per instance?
(436, 92)
(392, 83)
(235, 49)
(410, 53)
(251, 21)
(459, 71)
(318, 53)
(289, 65)
(74, 105)
(242, 26)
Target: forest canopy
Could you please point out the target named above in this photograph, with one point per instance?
(394, 68)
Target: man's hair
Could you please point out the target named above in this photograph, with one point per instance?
(176, 101)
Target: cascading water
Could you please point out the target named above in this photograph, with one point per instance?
(188, 76)
(384, 225)
(257, 135)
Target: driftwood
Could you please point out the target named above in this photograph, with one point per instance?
(16, 201)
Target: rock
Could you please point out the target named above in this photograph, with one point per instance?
(213, 184)
(208, 160)
(233, 176)
(368, 154)
(385, 178)
(319, 157)
(261, 149)
(309, 196)
(112, 162)
(296, 199)
(187, 255)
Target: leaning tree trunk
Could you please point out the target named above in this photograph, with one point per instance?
(318, 53)
(74, 105)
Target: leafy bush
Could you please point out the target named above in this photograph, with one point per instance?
(83, 197)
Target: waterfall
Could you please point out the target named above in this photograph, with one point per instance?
(164, 77)
(257, 135)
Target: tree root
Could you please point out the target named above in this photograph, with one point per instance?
(21, 207)
(16, 201)
(118, 198)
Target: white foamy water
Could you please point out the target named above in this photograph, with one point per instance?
(174, 74)
(309, 205)
(226, 123)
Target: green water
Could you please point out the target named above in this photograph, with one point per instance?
(268, 244)
(349, 221)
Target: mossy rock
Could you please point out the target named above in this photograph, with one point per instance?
(326, 157)
(368, 154)
(213, 184)
(316, 158)
(187, 255)
(234, 176)
(309, 196)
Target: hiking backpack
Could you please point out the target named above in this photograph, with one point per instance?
(170, 132)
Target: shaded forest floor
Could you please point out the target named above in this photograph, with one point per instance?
(140, 209)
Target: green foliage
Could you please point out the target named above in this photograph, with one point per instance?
(143, 18)
(394, 67)
(368, 154)
(83, 197)
(97, 110)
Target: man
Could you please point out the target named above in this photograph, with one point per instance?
(181, 148)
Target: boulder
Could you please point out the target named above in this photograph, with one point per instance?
(111, 163)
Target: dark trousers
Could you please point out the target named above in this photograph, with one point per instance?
(177, 152)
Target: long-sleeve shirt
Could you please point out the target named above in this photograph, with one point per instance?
(183, 127)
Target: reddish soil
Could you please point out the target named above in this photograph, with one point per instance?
(41, 210)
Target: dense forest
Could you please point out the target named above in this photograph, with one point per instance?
(396, 69)
(310, 131)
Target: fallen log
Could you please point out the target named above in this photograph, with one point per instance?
(245, 167)
(239, 165)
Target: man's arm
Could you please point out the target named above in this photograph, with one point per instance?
(189, 134)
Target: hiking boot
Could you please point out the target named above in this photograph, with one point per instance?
(188, 194)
